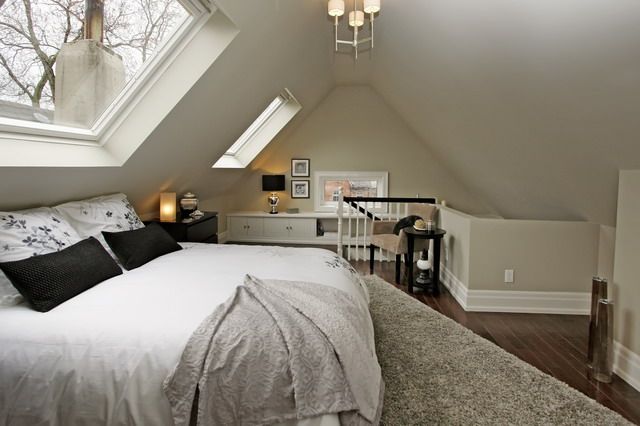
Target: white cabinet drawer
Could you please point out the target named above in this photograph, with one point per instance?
(282, 228)
(245, 227)
(276, 227)
(255, 227)
(302, 228)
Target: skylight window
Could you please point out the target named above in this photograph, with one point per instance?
(258, 135)
(170, 69)
(64, 63)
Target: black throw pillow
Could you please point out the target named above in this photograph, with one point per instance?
(405, 222)
(51, 279)
(137, 247)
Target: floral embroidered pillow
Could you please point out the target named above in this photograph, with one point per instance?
(29, 233)
(109, 213)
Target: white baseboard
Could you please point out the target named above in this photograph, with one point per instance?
(531, 302)
(223, 237)
(626, 364)
(457, 289)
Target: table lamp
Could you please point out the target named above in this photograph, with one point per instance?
(168, 207)
(273, 183)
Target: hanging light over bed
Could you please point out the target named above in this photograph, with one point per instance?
(336, 9)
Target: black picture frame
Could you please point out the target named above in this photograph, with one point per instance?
(300, 188)
(300, 167)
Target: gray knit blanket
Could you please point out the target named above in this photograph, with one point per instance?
(279, 351)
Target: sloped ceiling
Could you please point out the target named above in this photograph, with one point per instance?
(281, 43)
(534, 104)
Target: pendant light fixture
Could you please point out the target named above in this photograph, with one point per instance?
(336, 9)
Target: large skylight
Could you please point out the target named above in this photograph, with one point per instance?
(258, 135)
(54, 71)
(148, 98)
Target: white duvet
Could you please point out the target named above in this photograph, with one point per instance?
(101, 357)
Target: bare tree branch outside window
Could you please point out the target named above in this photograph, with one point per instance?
(33, 31)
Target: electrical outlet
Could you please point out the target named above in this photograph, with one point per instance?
(508, 276)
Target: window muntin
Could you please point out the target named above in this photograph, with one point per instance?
(29, 52)
(353, 184)
(258, 135)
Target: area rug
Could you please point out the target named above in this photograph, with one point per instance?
(438, 372)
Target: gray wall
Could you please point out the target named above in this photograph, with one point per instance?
(353, 129)
(626, 276)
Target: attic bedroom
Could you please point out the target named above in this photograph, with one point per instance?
(319, 212)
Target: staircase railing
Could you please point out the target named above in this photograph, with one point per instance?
(355, 215)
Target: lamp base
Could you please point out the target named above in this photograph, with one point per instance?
(273, 202)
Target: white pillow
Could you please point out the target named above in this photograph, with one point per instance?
(29, 233)
(111, 213)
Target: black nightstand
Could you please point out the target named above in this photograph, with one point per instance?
(201, 230)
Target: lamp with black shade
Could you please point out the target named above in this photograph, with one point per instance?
(273, 183)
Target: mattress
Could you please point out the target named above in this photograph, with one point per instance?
(101, 357)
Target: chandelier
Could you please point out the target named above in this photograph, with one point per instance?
(356, 20)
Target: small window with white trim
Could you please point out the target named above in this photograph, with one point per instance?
(327, 187)
(262, 131)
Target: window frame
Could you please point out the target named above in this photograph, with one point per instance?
(320, 205)
(132, 93)
(260, 132)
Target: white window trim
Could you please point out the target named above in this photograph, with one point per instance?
(207, 40)
(262, 131)
(320, 205)
(11, 129)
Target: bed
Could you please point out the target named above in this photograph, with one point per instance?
(104, 356)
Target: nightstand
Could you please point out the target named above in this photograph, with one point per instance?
(201, 230)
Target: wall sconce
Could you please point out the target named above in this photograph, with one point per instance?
(167, 207)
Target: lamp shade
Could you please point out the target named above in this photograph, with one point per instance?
(168, 207)
(273, 183)
(336, 7)
(356, 18)
(372, 6)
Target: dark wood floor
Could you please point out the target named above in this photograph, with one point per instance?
(555, 344)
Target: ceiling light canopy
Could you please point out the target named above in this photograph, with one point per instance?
(356, 20)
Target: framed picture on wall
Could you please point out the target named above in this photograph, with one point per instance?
(300, 189)
(300, 167)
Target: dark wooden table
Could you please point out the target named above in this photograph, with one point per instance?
(435, 235)
(203, 229)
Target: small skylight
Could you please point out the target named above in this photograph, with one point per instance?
(258, 135)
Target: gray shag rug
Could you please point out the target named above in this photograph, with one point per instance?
(438, 372)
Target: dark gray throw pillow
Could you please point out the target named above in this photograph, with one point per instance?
(49, 280)
(137, 247)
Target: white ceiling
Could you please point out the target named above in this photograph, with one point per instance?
(532, 104)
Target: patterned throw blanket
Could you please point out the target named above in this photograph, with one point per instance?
(277, 351)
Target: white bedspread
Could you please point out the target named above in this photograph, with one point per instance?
(101, 357)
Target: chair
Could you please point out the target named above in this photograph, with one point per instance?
(382, 236)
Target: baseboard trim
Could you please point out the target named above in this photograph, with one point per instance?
(457, 289)
(223, 237)
(626, 364)
(529, 302)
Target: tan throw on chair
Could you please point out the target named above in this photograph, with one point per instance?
(382, 236)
